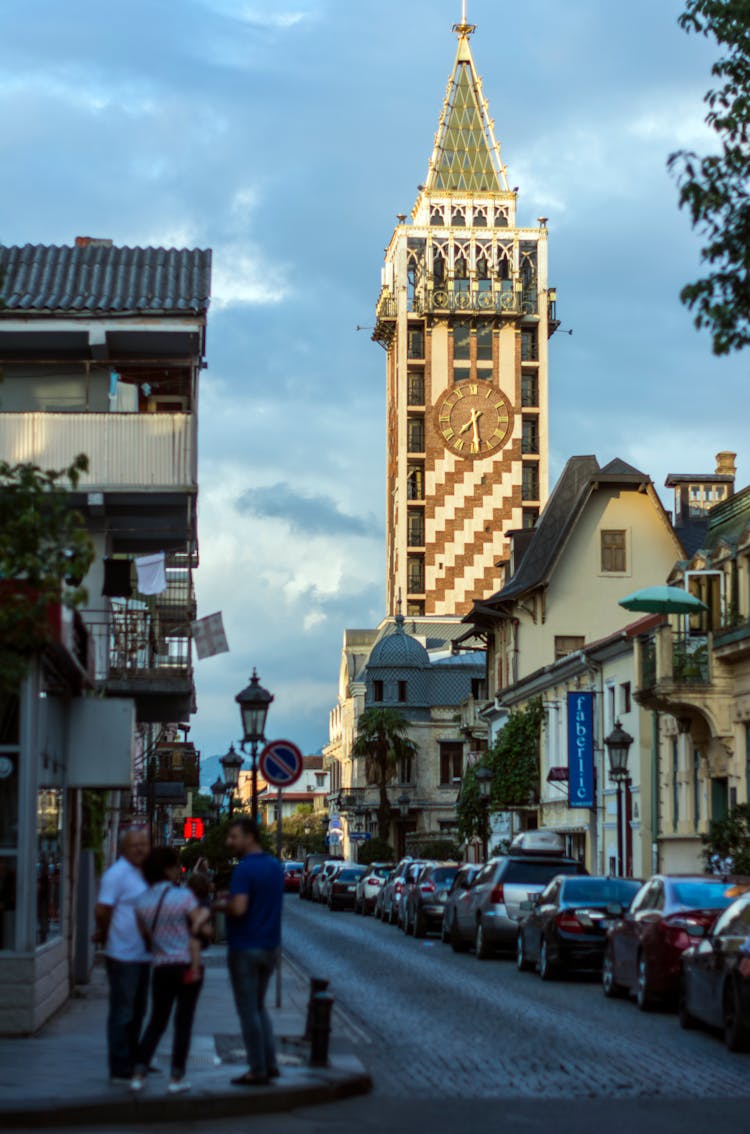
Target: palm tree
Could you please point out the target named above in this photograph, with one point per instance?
(382, 740)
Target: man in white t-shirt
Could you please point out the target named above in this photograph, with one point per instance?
(128, 960)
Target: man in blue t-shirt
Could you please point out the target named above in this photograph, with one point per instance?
(254, 937)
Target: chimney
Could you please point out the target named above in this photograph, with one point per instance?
(725, 466)
(93, 242)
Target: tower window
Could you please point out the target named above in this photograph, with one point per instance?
(530, 481)
(480, 218)
(484, 342)
(530, 435)
(529, 347)
(415, 434)
(462, 340)
(436, 216)
(530, 517)
(415, 342)
(415, 574)
(415, 387)
(438, 269)
(461, 270)
(377, 691)
(529, 388)
(415, 482)
(458, 218)
(415, 527)
(403, 691)
(415, 608)
(614, 552)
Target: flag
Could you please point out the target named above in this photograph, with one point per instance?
(209, 636)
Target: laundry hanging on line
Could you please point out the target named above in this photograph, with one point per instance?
(152, 575)
(117, 578)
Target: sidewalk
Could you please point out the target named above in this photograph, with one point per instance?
(59, 1077)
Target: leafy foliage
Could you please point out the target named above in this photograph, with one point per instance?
(301, 833)
(382, 740)
(375, 850)
(730, 836)
(45, 552)
(213, 847)
(714, 189)
(514, 763)
(443, 850)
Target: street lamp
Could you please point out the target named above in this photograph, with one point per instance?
(218, 789)
(484, 779)
(403, 802)
(254, 702)
(230, 766)
(618, 746)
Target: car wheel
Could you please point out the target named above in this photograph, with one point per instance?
(522, 963)
(643, 996)
(687, 1021)
(546, 969)
(610, 987)
(458, 945)
(481, 946)
(735, 1033)
(417, 925)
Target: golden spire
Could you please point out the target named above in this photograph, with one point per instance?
(464, 29)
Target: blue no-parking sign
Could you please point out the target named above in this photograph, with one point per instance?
(280, 763)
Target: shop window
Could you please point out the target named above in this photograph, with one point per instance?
(49, 864)
(451, 762)
(614, 552)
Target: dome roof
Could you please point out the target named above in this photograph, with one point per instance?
(398, 650)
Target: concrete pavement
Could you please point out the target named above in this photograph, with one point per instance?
(59, 1077)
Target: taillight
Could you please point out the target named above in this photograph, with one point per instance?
(428, 887)
(568, 923)
(497, 897)
(399, 887)
(675, 929)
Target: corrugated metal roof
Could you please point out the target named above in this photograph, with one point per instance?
(102, 278)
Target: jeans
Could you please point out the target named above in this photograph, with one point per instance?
(128, 996)
(250, 972)
(168, 989)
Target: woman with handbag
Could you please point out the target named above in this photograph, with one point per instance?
(171, 921)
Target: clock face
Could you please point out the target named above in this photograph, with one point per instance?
(474, 419)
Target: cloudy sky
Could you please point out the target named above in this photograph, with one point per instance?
(287, 136)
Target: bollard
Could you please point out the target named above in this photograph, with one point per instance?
(322, 1007)
(316, 985)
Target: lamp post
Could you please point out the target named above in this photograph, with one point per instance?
(618, 746)
(230, 766)
(218, 790)
(254, 702)
(484, 777)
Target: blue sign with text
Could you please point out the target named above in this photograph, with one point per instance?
(580, 749)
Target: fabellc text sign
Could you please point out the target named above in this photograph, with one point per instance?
(580, 749)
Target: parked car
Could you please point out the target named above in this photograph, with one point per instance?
(320, 883)
(424, 902)
(489, 917)
(311, 861)
(458, 892)
(308, 880)
(342, 888)
(644, 947)
(410, 880)
(712, 990)
(393, 890)
(369, 886)
(566, 925)
(380, 898)
(292, 876)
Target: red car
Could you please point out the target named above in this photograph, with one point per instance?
(645, 946)
(292, 876)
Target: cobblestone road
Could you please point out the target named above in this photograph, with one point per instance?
(432, 1023)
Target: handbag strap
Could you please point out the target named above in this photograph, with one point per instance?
(160, 903)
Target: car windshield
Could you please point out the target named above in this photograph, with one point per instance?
(537, 873)
(696, 894)
(350, 874)
(578, 891)
(444, 874)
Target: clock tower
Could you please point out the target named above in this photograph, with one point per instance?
(464, 315)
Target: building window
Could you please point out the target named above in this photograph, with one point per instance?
(625, 697)
(529, 388)
(675, 783)
(436, 216)
(480, 217)
(614, 552)
(478, 688)
(529, 517)
(451, 762)
(415, 388)
(530, 435)
(378, 691)
(403, 690)
(415, 342)
(530, 481)
(568, 644)
(529, 348)
(415, 482)
(414, 608)
(719, 797)
(462, 340)
(484, 342)
(405, 770)
(415, 574)
(415, 434)
(696, 785)
(458, 218)
(415, 527)
(438, 270)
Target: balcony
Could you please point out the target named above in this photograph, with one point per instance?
(504, 299)
(678, 673)
(137, 451)
(732, 643)
(176, 763)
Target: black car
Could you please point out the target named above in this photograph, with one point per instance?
(424, 902)
(343, 887)
(712, 989)
(566, 926)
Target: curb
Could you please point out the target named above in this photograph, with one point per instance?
(345, 1078)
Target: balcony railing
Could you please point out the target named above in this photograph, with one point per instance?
(125, 450)
(130, 643)
(690, 661)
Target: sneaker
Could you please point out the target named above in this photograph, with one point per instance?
(177, 1086)
(137, 1083)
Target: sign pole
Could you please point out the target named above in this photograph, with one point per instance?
(278, 852)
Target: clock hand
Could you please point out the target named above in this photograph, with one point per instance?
(465, 428)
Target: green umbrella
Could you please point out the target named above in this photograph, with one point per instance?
(663, 600)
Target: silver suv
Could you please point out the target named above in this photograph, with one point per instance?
(488, 917)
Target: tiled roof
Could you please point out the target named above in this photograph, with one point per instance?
(99, 277)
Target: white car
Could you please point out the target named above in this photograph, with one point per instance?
(369, 885)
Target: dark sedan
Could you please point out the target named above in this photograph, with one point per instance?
(644, 949)
(713, 991)
(566, 925)
(342, 890)
(425, 900)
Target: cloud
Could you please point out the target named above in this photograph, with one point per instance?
(306, 514)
